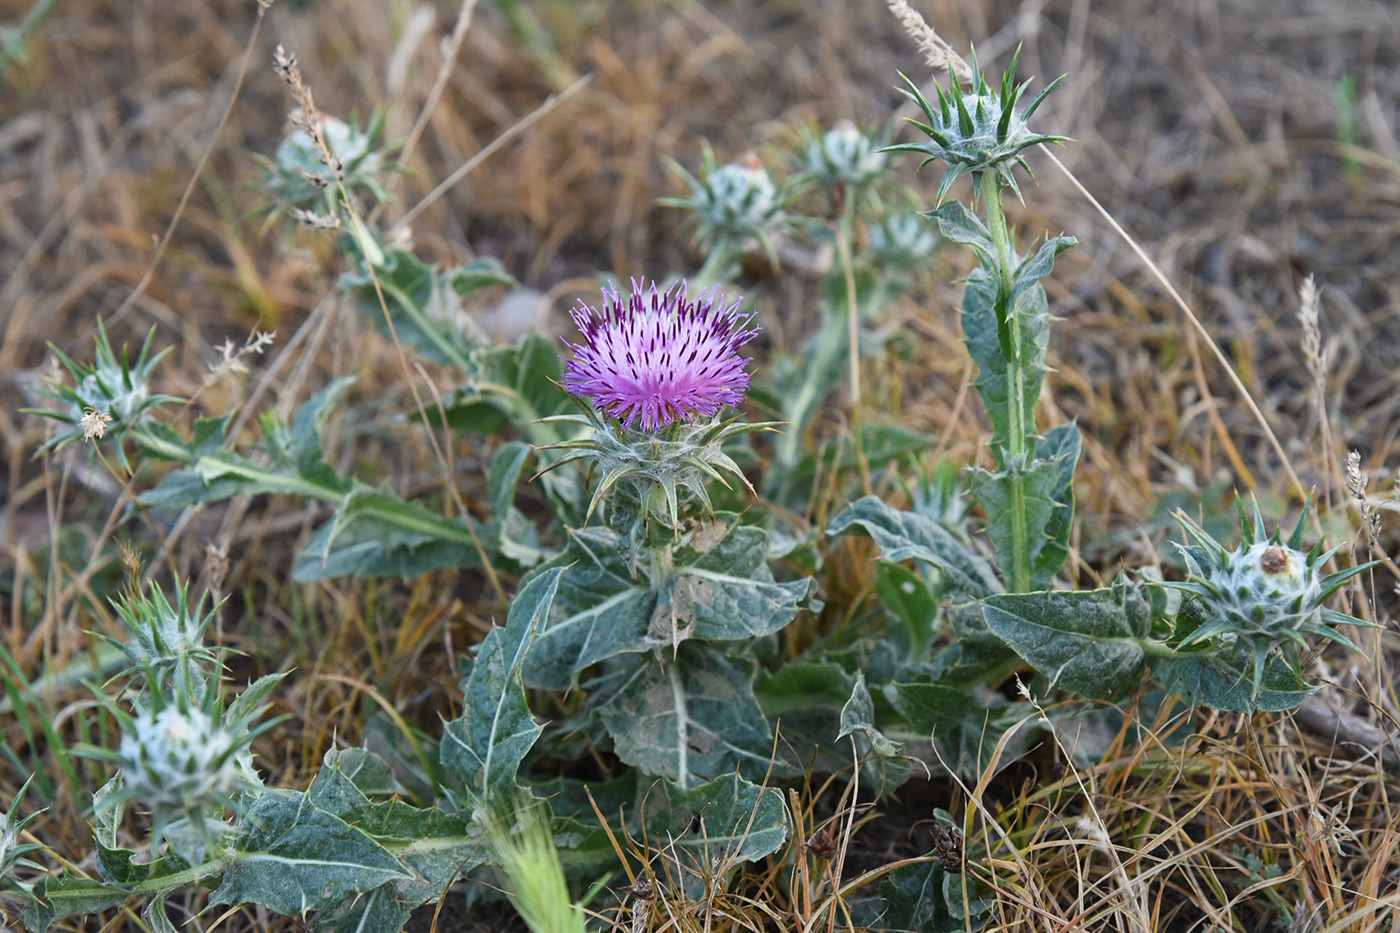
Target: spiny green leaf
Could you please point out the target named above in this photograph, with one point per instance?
(904, 535)
(691, 717)
(294, 857)
(481, 751)
(1091, 642)
(1222, 681)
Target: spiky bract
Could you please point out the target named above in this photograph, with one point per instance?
(977, 131)
(1264, 597)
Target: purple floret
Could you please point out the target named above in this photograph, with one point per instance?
(658, 357)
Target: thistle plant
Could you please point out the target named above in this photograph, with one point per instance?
(659, 370)
(1262, 599)
(168, 639)
(979, 131)
(13, 852)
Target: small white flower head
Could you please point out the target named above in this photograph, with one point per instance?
(94, 424)
(179, 761)
(1023, 690)
(110, 394)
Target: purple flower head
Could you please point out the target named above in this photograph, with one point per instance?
(659, 357)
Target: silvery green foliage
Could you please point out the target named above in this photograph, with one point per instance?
(980, 131)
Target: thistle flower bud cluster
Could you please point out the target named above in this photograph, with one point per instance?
(843, 156)
(167, 641)
(659, 369)
(902, 243)
(977, 131)
(732, 205)
(1263, 598)
(110, 395)
(184, 763)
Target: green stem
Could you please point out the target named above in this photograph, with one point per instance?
(1016, 457)
(715, 263)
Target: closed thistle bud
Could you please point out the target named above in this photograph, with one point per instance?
(977, 131)
(732, 204)
(166, 637)
(902, 243)
(843, 155)
(1263, 598)
(187, 762)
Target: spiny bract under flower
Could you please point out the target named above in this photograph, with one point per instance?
(658, 357)
(1266, 596)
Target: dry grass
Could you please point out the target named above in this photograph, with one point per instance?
(1212, 132)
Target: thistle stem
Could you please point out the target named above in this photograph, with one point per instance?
(1014, 458)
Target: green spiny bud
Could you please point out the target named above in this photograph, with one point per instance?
(978, 131)
(1263, 598)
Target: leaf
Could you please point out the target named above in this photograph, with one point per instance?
(1091, 642)
(727, 818)
(966, 723)
(960, 225)
(805, 700)
(375, 533)
(914, 901)
(881, 760)
(690, 718)
(723, 590)
(904, 535)
(1220, 681)
(423, 304)
(58, 897)
(1060, 446)
(905, 595)
(294, 857)
(297, 466)
(433, 845)
(599, 612)
(482, 750)
(989, 344)
(1012, 496)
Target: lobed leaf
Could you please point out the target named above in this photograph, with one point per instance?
(1091, 642)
